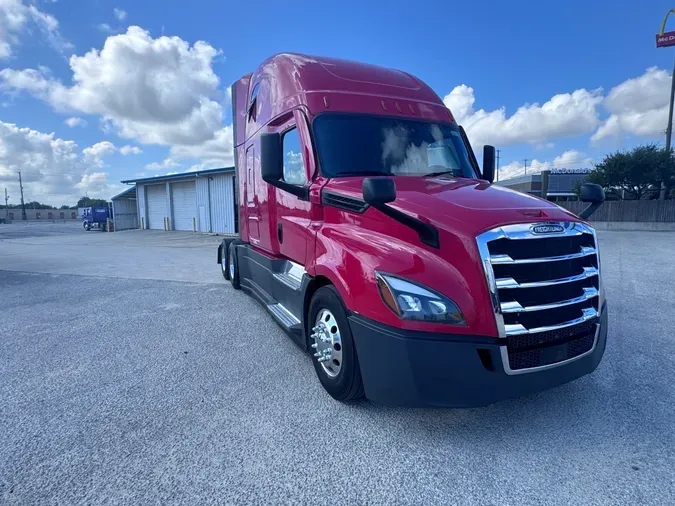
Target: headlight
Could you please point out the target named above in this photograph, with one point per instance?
(411, 301)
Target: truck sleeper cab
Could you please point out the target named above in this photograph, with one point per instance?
(369, 233)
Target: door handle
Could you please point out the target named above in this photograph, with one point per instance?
(280, 233)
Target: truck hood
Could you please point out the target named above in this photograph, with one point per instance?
(464, 206)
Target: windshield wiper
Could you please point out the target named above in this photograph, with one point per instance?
(361, 173)
(440, 173)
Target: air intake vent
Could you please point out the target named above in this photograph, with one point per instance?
(343, 202)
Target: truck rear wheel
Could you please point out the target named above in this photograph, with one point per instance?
(334, 353)
(233, 266)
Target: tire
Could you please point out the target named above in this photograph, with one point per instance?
(233, 266)
(86, 226)
(343, 383)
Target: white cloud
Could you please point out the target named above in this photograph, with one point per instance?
(74, 121)
(158, 91)
(17, 17)
(51, 168)
(168, 163)
(106, 28)
(637, 106)
(570, 159)
(216, 152)
(564, 115)
(119, 14)
(93, 155)
(130, 150)
(96, 182)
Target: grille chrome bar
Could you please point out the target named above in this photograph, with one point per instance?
(515, 307)
(589, 272)
(506, 259)
(588, 314)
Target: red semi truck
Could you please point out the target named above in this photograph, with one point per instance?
(372, 237)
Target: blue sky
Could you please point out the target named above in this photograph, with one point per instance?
(150, 100)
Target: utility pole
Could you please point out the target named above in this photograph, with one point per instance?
(6, 206)
(498, 153)
(525, 160)
(23, 206)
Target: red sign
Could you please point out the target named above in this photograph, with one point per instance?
(665, 40)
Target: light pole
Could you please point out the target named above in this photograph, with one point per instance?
(667, 39)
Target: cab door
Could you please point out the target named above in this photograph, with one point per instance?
(293, 233)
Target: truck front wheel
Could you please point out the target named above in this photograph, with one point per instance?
(334, 353)
(233, 266)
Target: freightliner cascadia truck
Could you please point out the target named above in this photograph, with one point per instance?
(369, 232)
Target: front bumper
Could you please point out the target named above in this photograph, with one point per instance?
(406, 368)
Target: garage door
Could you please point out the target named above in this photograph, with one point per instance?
(156, 199)
(184, 202)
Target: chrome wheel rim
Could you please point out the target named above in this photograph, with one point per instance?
(327, 343)
(223, 264)
(231, 265)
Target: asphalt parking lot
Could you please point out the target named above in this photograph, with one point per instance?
(131, 373)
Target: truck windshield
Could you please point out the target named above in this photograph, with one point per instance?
(355, 145)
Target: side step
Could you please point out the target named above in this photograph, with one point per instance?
(284, 317)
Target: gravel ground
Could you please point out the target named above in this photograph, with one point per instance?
(122, 390)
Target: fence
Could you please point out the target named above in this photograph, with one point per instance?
(661, 211)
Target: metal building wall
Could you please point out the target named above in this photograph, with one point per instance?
(215, 203)
(140, 200)
(125, 214)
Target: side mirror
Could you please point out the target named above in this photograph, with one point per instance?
(272, 166)
(378, 190)
(489, 163)
(594, 195)
(271, 160)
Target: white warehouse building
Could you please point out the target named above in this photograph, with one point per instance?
(202, 201)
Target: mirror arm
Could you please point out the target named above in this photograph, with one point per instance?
(302, 192)
(428, 234)
(589, 210)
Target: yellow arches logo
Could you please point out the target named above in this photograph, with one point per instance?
(665, 39)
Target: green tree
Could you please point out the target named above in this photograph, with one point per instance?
(87, 202)
(36, 205)
(638, 172)
(64, 206)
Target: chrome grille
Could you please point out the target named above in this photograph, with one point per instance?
(542, 283)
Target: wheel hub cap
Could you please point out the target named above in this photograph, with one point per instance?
(231, 266)
(327, 342)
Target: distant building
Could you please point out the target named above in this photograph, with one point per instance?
(553, 184)
(201, 201)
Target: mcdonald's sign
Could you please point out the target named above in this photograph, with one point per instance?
(663, 38)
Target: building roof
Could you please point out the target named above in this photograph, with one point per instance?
(129, 193)
(181, 175)
(529, 178)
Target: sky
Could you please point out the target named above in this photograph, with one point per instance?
(95, 91)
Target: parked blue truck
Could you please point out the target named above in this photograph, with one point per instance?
(95, 217)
